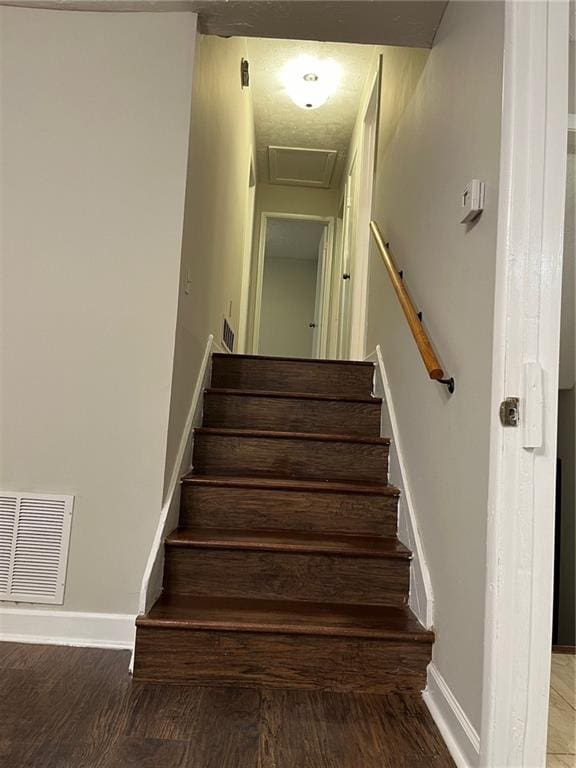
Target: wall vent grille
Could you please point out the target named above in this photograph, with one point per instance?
(34, 540)
(227, 336)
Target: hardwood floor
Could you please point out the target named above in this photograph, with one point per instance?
(562, 713)
(78, 708)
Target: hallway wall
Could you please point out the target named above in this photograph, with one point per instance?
(94, 124)
(220, 147)
(449, 133)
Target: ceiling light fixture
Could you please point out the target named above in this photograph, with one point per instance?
(310, 82)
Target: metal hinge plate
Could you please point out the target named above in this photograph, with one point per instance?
(510, 412)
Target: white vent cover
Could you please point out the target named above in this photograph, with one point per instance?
(34, 539)
(303, 167)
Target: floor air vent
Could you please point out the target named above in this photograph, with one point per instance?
(34, 538)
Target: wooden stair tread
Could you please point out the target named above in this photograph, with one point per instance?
(265, 434)
(292, 395)
(286, 617)
(272, 358)
(282, 484)
(286, 570)
(289, 541)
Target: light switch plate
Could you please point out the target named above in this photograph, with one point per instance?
(472, 200)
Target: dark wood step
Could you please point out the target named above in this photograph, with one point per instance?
(305, 505)
(283, 566)
(294, 412)
(286, 616)
(286, 570)
(218, 641)
(288, 541)
(290, 455)
(281, 374)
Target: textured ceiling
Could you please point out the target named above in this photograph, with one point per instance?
(386, 22)
(293, 239)
(280, 122)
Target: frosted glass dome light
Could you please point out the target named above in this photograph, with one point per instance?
(310, 82)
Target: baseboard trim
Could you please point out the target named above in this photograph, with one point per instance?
(91, 630)
(168, 517)
(457, 731)
(571, 649)
(421, 599)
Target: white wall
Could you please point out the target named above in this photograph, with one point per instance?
(449, 133)
(400, 70)
(288, 302)
(94, 122)
(215, 222)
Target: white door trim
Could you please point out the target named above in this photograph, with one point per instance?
(520, 542)
(329, 221)
(361, 260)
(344, 294)
(322, 302)
(247, 257)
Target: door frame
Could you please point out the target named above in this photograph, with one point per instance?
(361, 246)
(247, 257)
(522, 475)
(335, 283)
(345, 265)
(327, 270)
(322, 321)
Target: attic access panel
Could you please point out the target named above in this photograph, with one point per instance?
(301, 167)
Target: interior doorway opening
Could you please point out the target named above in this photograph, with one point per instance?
(291, 300)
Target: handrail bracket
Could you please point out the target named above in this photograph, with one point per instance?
(449, 383)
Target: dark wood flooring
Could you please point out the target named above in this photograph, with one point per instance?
(79, 708)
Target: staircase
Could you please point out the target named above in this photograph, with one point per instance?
(286, 570)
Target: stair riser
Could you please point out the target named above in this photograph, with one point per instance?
(292, 376)
(290, 458)
(292, 415)
(252, 508)
(286, 576)
(280, 661)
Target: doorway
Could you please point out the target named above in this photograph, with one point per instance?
(292, 292)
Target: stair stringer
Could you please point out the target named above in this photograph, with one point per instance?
(421, 599)
(151, 585)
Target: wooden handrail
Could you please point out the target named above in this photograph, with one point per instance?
(427, 353)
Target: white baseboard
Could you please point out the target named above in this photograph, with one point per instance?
(168, 517)
(457, 731)
(421, 599)
(93, 630)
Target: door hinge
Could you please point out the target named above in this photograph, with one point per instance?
(510, 412)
